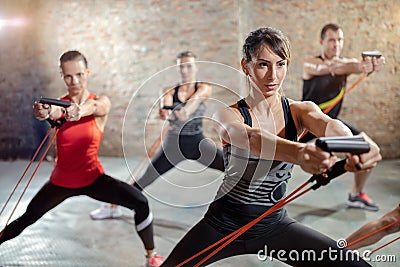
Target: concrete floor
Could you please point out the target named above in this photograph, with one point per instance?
(67, 236)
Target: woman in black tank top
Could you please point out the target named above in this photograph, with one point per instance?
(260, 135)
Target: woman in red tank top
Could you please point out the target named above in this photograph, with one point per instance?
(78, 170)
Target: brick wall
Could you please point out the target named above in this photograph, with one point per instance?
(131, 46)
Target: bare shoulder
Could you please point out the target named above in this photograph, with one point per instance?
(313, 60)
(301, 104)
(300, 107)
(204, 86)
(103, 99)
(168, 90)
(228, 112)
(313, 66)
(203, 90)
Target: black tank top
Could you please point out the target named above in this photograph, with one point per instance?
(290, 127)
(251, 185)
(324, 89)
(194, 124)
(251, 180)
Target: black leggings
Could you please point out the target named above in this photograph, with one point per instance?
(289, 238)
(309, 136)
(177, 148)
(105, 188)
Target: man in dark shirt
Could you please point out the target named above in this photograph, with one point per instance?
(325, 78)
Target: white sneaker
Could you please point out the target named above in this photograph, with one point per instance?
(106, 211)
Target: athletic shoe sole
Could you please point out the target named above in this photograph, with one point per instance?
(361, 205)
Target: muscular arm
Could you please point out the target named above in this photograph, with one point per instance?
(340, 66)
(309, 116)
(167, 100)
(372, 226)
(44, 111)
(314, 67)
(267, 145)
(346, 66)
(203, 92)
(98, 107)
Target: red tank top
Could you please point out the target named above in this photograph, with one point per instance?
(78, 144)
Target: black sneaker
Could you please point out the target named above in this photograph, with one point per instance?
(362, 201)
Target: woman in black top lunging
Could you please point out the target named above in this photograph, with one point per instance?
(260, 134)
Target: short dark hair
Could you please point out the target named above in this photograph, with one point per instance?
(273, 38)
(330, 26)
(186, 54)
(73, 55)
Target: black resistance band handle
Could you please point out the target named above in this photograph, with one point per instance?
(56, 102)
(324, 178)
(354, 144)
(56, 123)
(168, 107)
(51, 101)
(173, 107)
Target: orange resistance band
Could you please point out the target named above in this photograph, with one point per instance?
(34, 172)
(384, 245)
(362, 77)
(26, 169)
(372, 233)
(232, 236)
(249, 225)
